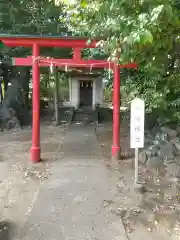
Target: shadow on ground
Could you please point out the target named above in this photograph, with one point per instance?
(6, 229)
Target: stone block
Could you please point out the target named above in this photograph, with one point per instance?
(154, 149)
(176, 143)
(178, 160)
(178, 130)
(154, 162)
(160, 139)
(143, 156)
(170, 132)
(166, 152)
(173, 169)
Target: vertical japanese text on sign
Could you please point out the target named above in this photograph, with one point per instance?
(137, 123)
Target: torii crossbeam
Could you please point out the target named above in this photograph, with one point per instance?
(36, 61)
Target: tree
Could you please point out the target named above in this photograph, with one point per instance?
(29, 17)
(147, 32)
(134, 26)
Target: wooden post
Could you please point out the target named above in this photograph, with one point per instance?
(136, 166)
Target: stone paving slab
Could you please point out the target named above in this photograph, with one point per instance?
(72, 203)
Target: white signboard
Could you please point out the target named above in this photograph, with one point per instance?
(137, 123)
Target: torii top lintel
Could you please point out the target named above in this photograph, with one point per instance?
(13, 40)
(77, 43)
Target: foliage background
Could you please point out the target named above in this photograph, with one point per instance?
(144, 31)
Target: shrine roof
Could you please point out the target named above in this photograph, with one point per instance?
(74, 72)
(81, 72)
(47, 40)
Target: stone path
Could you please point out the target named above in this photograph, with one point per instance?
(76, 192)
(74, 202)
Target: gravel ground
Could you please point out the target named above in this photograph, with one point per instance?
(153, 213)
(19, 179)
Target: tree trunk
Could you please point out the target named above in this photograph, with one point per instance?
(16, 97)
(5, 80)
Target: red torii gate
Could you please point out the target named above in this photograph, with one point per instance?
(36, 61)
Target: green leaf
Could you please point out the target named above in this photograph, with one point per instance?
(136, 38)
(89, 41)
(156, 12)
(169, 10)
(146, 37)
(1, 45)
(68, 2)
(83, 3)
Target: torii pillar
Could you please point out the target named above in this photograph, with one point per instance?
(35, 148)
(116, 114)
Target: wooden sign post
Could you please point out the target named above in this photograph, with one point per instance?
(137, 130)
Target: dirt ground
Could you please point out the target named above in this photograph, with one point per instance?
(155, 211)
(19, 179)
